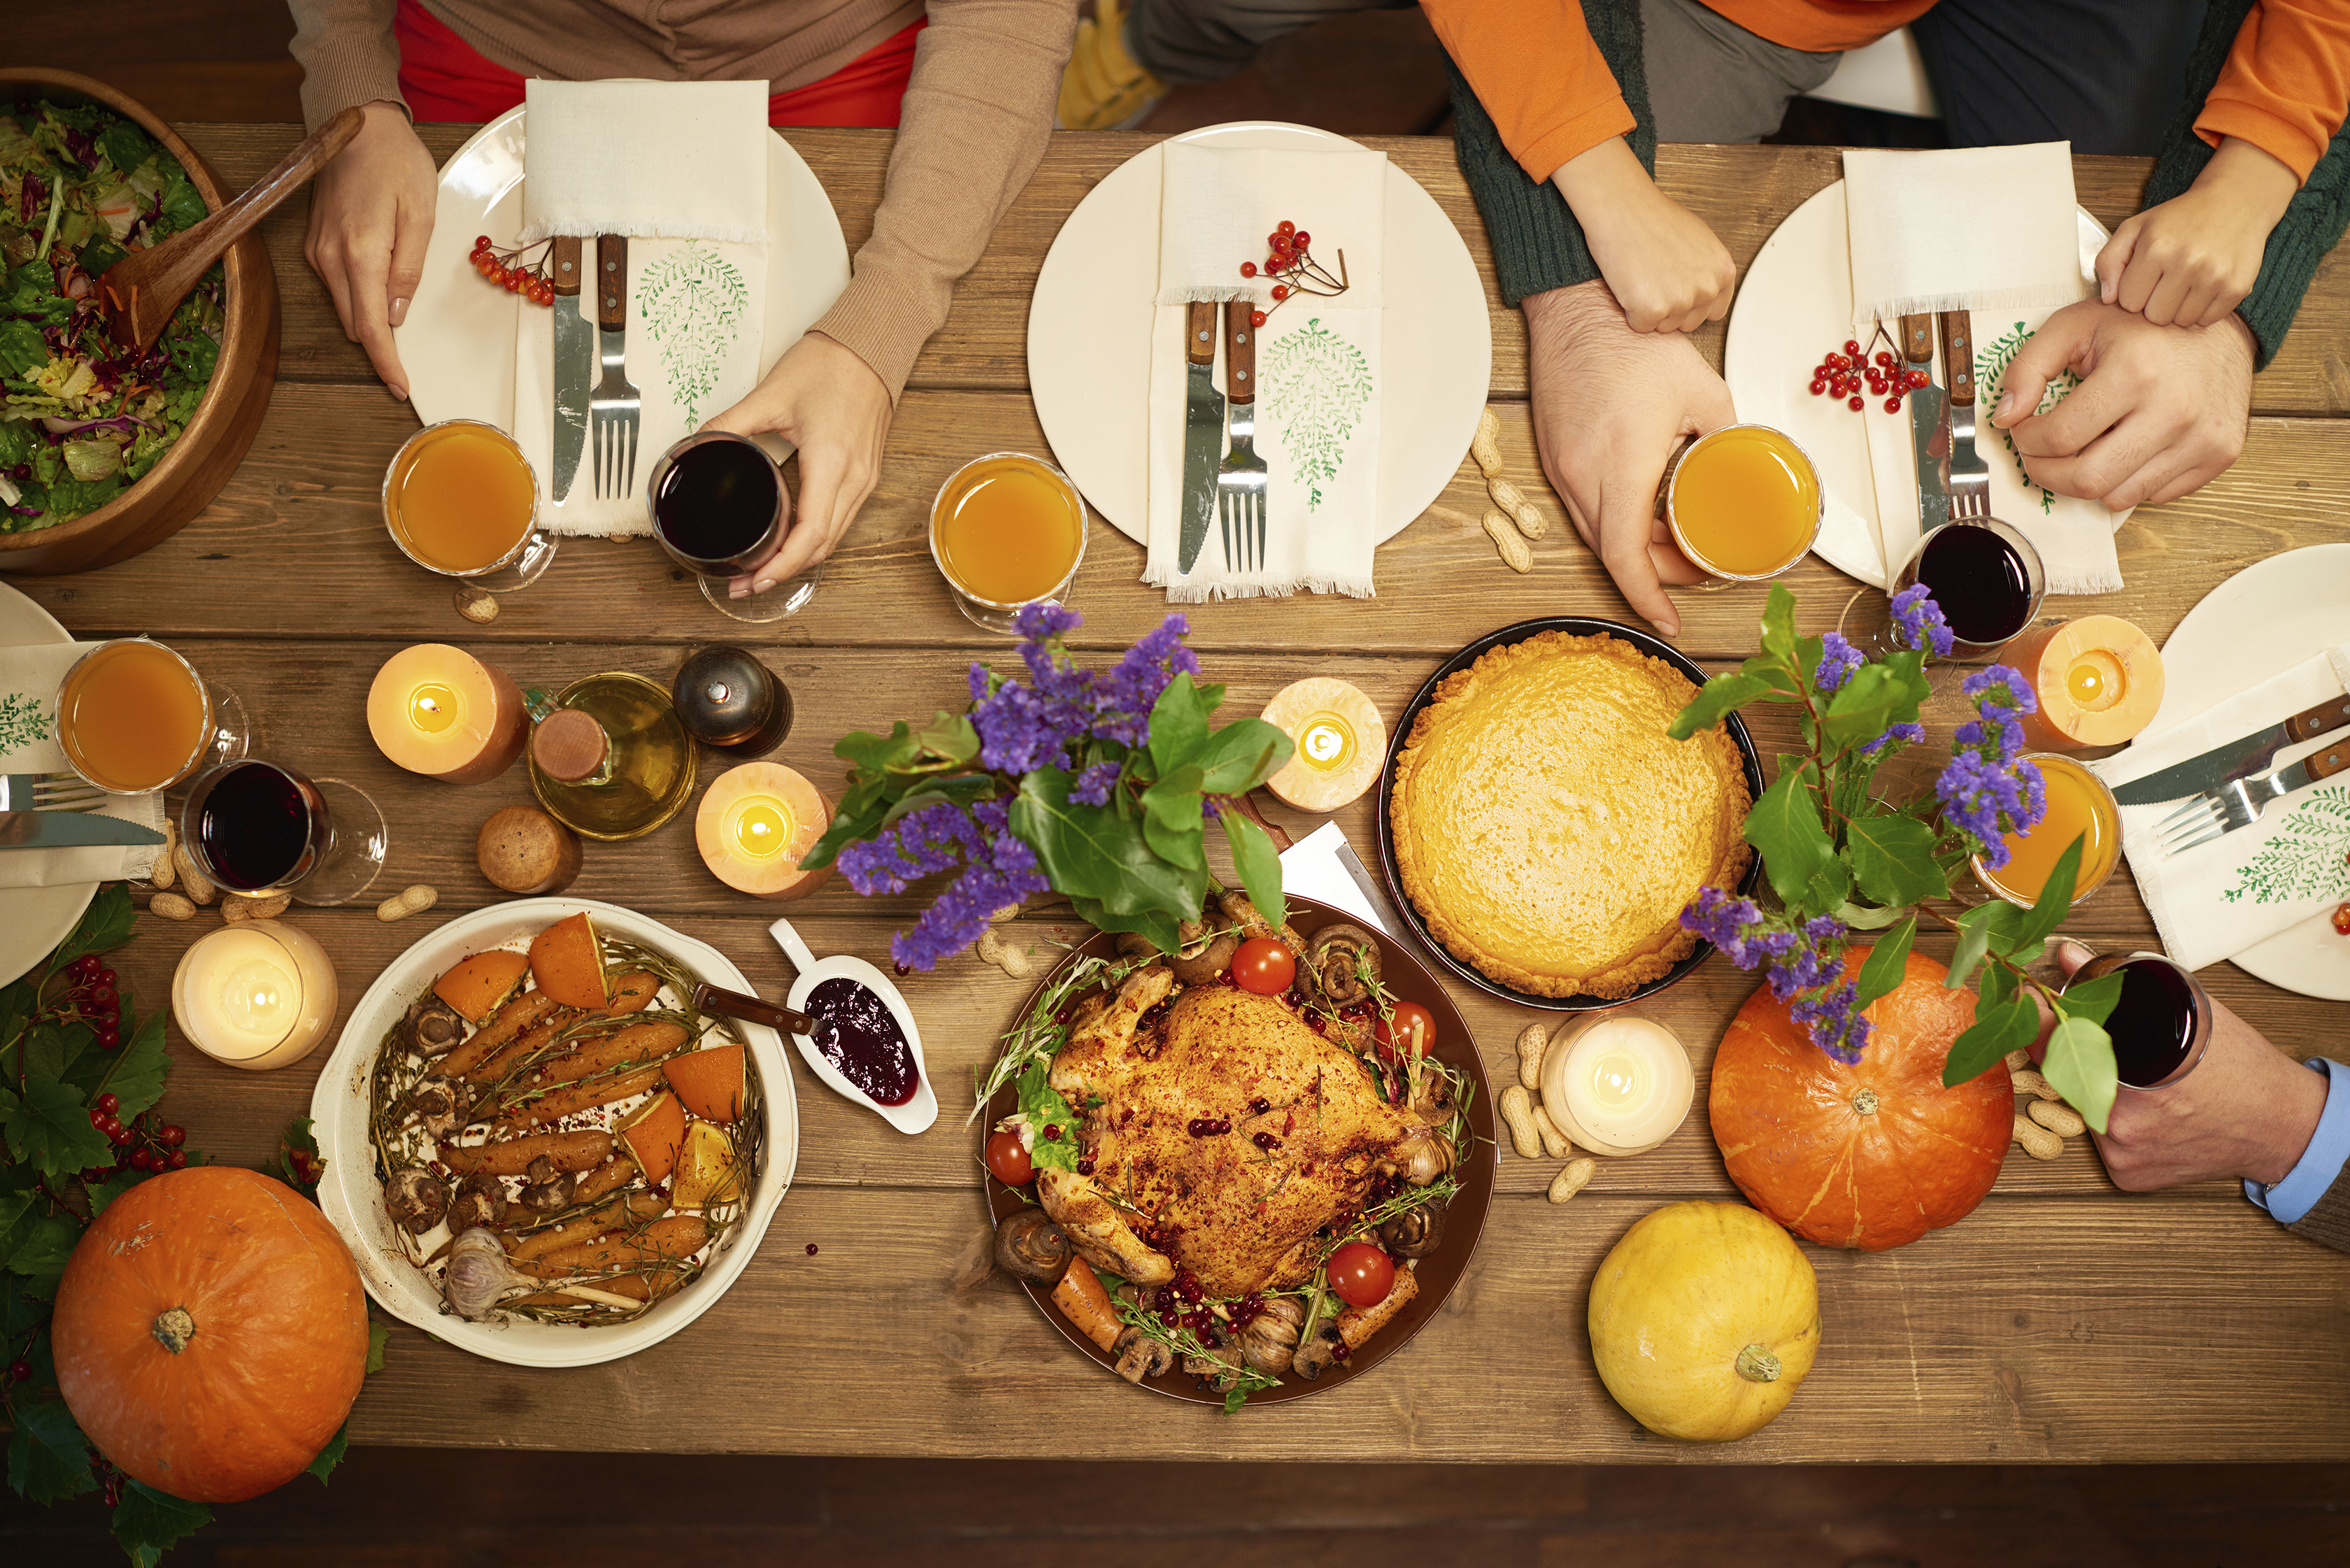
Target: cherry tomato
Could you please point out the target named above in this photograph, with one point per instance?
(1361, 1275)
(1412, 1024)
(1264, 966)
(1008, 1159)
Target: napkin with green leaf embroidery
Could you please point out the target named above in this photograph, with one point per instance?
(1319, 368)
(2213, 901)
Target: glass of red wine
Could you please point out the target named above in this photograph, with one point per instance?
(2162, 1024)
(259, 829)
(1984, 573)
(719, 508)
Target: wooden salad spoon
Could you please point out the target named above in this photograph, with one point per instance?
(142, 289)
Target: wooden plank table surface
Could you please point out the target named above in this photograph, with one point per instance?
(2062, 1321)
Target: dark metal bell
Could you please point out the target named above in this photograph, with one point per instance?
(727, 699)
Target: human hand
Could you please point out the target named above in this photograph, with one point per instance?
(370, 217)
(834, 408)
(2160, 410)
(2248, 1110)
(2191, 260)
(1667, 270)
(1608, 404)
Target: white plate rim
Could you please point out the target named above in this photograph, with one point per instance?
(2232, 637)
(39, 917)
(350, 1182)
(1075, 413)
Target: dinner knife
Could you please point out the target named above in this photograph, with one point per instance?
(1929, 428)
(574, 355)
(2237, 759)
(1204, 432)
(68, 829)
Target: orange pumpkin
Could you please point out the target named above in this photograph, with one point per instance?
(1870, 1155)
(210, 1332)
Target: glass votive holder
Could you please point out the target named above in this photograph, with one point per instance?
(256, 994)
(2079, 806)
(460, 499)
(1007, 530)
(1619, 1084)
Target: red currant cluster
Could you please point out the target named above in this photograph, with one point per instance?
(1290, 259)
(1842, 376)
(113, 1479)
(508, 271)
(91, 997)
(2342, 919)
(147, 1144)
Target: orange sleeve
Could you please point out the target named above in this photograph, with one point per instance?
(1533, 65)
(2286, 85)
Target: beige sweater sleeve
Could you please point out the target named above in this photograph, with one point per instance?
(977, 115)
(347, 55)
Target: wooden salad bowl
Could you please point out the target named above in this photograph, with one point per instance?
(215, 441)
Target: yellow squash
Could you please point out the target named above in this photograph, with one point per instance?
(1704, 1319)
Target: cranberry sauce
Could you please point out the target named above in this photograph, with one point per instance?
(862, 1041)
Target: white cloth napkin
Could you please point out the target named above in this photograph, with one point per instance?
(1320, 370)
(2217, 899)
(29, 680)
(1969, 228)
(682, 169)
(1310, 868)
(1899, 208)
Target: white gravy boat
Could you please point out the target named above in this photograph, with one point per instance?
(917, 1114)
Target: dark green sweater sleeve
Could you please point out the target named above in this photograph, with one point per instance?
(1537, 243)
(2311, 224)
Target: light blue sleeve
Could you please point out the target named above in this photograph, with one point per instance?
(2322, 1162)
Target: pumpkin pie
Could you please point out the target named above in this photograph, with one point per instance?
(1548, 827)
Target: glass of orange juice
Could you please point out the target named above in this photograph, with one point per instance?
(1744, 502)
(134, 716)
(2079, 807)
(1007, 530)
(460, 499)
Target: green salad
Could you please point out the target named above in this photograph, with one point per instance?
(81, 420)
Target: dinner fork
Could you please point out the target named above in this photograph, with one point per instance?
(2240, 802)
(615, 406)
(48, 791)
(1969, 475)
(1239, 479)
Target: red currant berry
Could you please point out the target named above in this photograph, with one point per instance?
(105, 1017)
(480, 241)
(177, 1160)
(174, 1135)
(1286, 227)
(98, 1119)
(1855, 404)
(1819, 387)
(514, 281)
(1850, 346)
(2342, 919)
(20, 1371)
(109, 1038)
(1280, 292)
(1884, 358)
(1248, 269)
(102, 995)
(1892, 405)
(1303, 239)
(109, 1104)
(1256, 318)
(1918, 377)
(107, 1124)
(118, 1135)
(104, 977)
(83, 966)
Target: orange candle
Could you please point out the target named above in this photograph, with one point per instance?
(2099, 680)
(438, 711)
(756, 822)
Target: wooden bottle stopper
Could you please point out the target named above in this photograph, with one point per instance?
(568, 746)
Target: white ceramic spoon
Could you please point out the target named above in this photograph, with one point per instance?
(917, 1114)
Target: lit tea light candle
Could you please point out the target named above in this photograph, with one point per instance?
(756, 822)
(438, 711)
(256, 994)
(1340, 739)
(1620, 1085)
(2099, 681)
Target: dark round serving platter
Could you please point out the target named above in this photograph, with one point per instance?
(1399, 733)
(1464, 1219)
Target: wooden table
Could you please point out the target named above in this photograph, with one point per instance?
(2062, 1321)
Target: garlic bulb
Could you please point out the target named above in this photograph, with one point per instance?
(479, 1277)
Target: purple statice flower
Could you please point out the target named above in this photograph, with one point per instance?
(1724, 921)
(1835, 1026)
(1987, 800)
(1021, 729)
(998, 869)
(1919, 621)
(2001, 690)
(1094, 784)
(1838, 659)
(917, 844)
(1908, 735)
(1999, 740)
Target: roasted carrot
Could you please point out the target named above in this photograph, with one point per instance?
(639, 1043)
(638, 1287)
(573, 1099)
(678, 1236)
(636, 1209)
(634, 991)
(610, 1177)
(509, 1021)
(1083, 1302)
(520, 1049)
(511, 1157)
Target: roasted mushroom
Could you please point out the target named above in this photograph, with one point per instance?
(546, 1190)
(1270, 1338)
(1241, 913)
(415, 1198)
(1342, 960)
(1415, 1232)
(1317, 1354)
(1140, 1357)
(1425, 1158)
(1031, 1247)
(482, 1201)
(433, 1027)
(1201, 958)
(1219, 1369)
(440, 1102)
(1134, 944)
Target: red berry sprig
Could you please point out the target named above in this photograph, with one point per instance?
(1844, 374)
(511, 273)
(1290, 259)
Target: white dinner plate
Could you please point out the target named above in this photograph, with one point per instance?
(352, 1198)
(458, 342)
(1793, 307)
(1089, 336)
(2261, 622)
(34, 919)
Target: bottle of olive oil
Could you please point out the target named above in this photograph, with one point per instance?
(608, 757)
